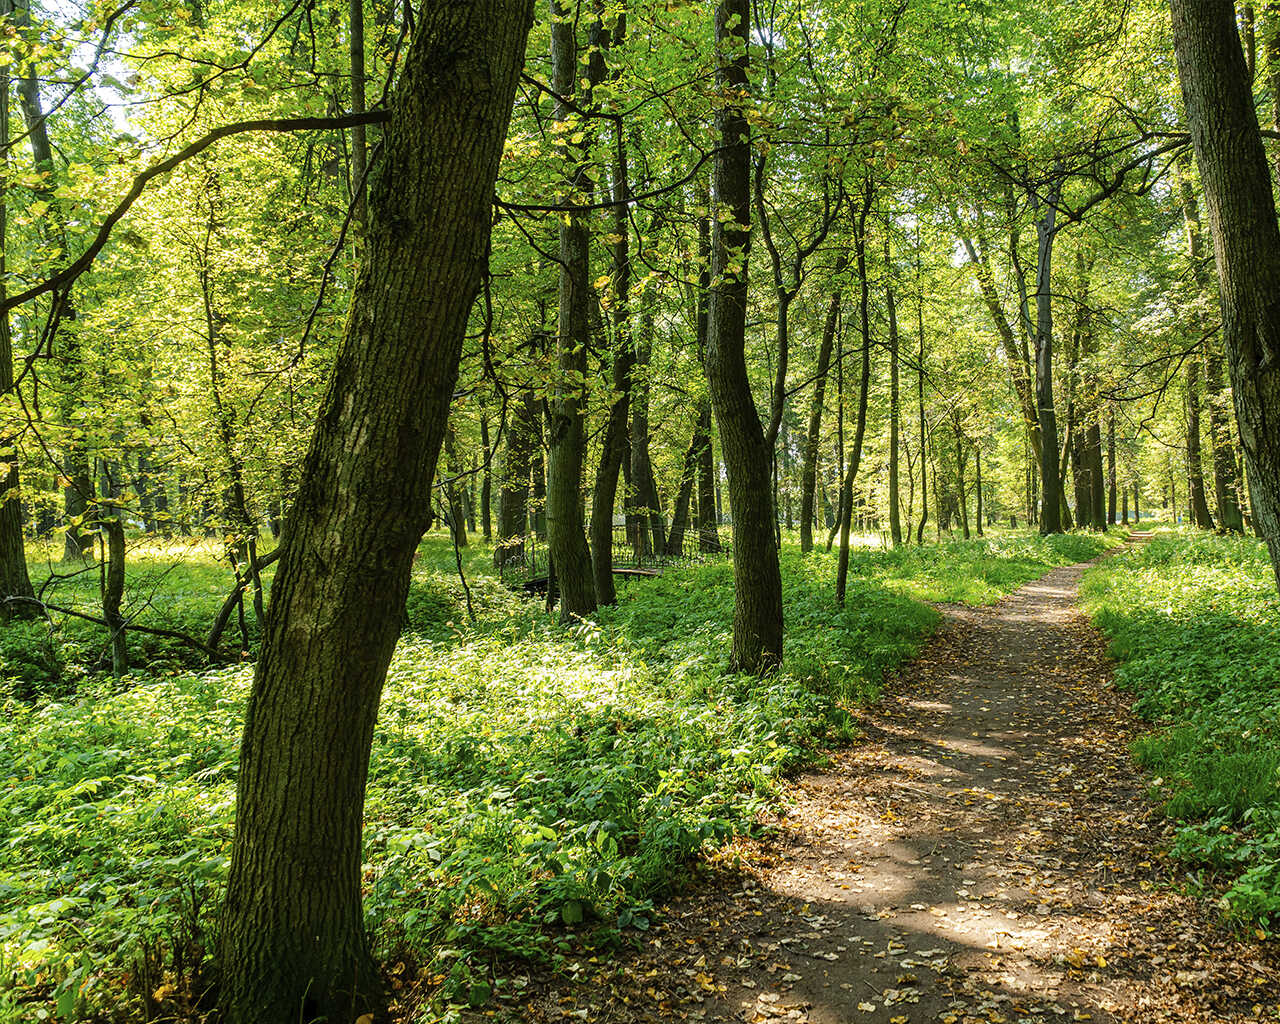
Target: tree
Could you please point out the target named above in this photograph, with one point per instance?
(293, 944)
(757, 614)
(1218, 97)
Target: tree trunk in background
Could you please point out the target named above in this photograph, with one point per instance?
(513, 497)
(567, 431)
(1242, 216)
(680, 516)
(924, 439)
(486, 484)
(757, 614)
(860, 430)
(977, 469)
(961, 461)
(112, 586)
(708, 519)
(1124, 497)
(1111, 468)
(14, 579)
(359, 210)
(453, 490)
(1195, 470)
(647, 505)
(895, 399)
(708, 515)
(615, 445)
(1050, 477)
(809, 465)
(293, 941)
(1226, 478)
(78, 491)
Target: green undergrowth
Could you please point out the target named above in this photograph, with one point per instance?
(1195, 622)
(529, 783)
(978, 571)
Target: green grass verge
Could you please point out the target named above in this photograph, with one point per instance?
(1195, 622)
(527, 781)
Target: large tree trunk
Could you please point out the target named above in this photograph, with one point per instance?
(567, 429)
(757, 616)
(809, 465)
(293, 944)
(1242, 216)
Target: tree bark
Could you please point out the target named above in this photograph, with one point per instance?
(112, 584)
(15, 581)
(1050, 477)
(859, 432)
(486, 483)
(293, 944)
(809, 465)
(513, 495)
(1242, 217)
(757, 617)
(615, 445)
(1195, 466)
(567, 433)
(895, 398)
(1226, 478)
(1111, 468)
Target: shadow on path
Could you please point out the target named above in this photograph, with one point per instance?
(988, 855)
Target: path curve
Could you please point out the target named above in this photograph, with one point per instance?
(987, 854)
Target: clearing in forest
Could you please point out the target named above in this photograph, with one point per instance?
(987, 854)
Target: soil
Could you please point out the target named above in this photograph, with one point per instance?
(988, 853)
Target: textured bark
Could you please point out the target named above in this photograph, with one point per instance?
(895, 403)
(680, 515)
(486, 482)
(977, 472)
(359, 207)
(567, 431)
(1195, 466)
(454, 492)
(1242, 217)
(78, 492)
(513, 498)
(809, 464)
(615, 446)
(646, 505)
(708, 517)
(1226, 477)
(864, 388)
(1051, 520)
(1111, 469)
(14, 579)
(113, 592)
(757, 616)
(924, 437)
(293, 945)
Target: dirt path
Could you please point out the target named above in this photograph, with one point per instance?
(987, 855)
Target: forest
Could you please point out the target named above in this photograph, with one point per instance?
(638, 510)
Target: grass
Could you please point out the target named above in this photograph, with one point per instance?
(1195, 621)
(529, 784)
